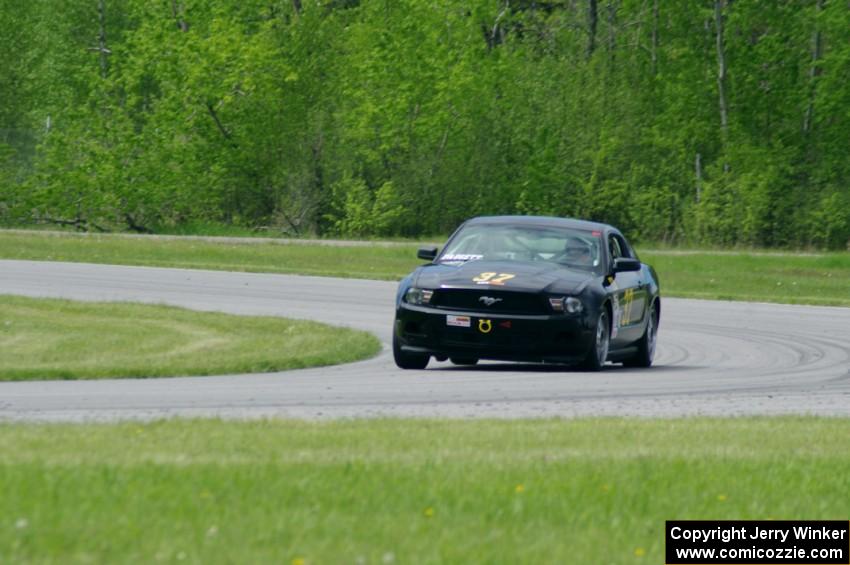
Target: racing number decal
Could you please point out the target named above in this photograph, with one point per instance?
(484, 277)
(493, 278)
(485, 326)
(502, 278)
(622, 310)
(628, 299)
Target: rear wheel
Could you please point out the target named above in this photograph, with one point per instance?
(646, 344)
(598, 354)
(463, 360)
(408, 360)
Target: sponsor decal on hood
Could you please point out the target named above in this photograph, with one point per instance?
(505, 275)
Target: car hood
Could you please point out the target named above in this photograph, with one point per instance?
(536, 276)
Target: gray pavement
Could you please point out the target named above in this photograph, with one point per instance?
(714, 358)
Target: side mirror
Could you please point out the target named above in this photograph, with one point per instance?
(624, 265)
(427, 253)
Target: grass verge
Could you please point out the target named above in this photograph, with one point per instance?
(773, 277)
(582, 491)
(821, 279)
(364, 262)
(60, 339)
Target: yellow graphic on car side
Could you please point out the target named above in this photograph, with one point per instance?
(485, 326)
(492, 278)
(628, 301)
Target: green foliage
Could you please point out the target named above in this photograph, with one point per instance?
(829, 220)
(406, 117)
(365, 213)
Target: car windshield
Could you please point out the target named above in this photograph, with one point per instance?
(495, 242)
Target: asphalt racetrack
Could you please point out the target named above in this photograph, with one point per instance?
(714, 358)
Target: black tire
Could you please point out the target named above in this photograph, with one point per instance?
(463, 360)
(408, 360)
(598, 354)
(646, 344)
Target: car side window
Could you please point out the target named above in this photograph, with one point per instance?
(619, 247)
(627, 249)
(614, 247)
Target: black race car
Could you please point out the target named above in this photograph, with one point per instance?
(529, 288)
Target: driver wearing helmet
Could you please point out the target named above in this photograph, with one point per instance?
(577, 251)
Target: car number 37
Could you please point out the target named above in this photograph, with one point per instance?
(520, 288)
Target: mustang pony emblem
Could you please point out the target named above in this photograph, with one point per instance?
(489, 300)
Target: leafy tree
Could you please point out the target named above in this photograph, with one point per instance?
(712, 122)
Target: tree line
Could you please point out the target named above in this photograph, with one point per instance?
(703, 121)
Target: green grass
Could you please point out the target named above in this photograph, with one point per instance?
(795, 279)
(402, 491)
(388, 263)
(746, 275)
(59, 339)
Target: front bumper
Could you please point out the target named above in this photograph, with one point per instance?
(556, 338)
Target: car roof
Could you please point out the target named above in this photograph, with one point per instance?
(541, 221)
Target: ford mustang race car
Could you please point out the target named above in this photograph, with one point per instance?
(529, 288)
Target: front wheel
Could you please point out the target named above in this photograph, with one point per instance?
(646, 345)
(598, 354)
(408, 360)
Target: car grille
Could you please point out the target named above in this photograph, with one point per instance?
(505, 302)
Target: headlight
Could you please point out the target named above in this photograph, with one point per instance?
(568, 304)
(418, 296)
